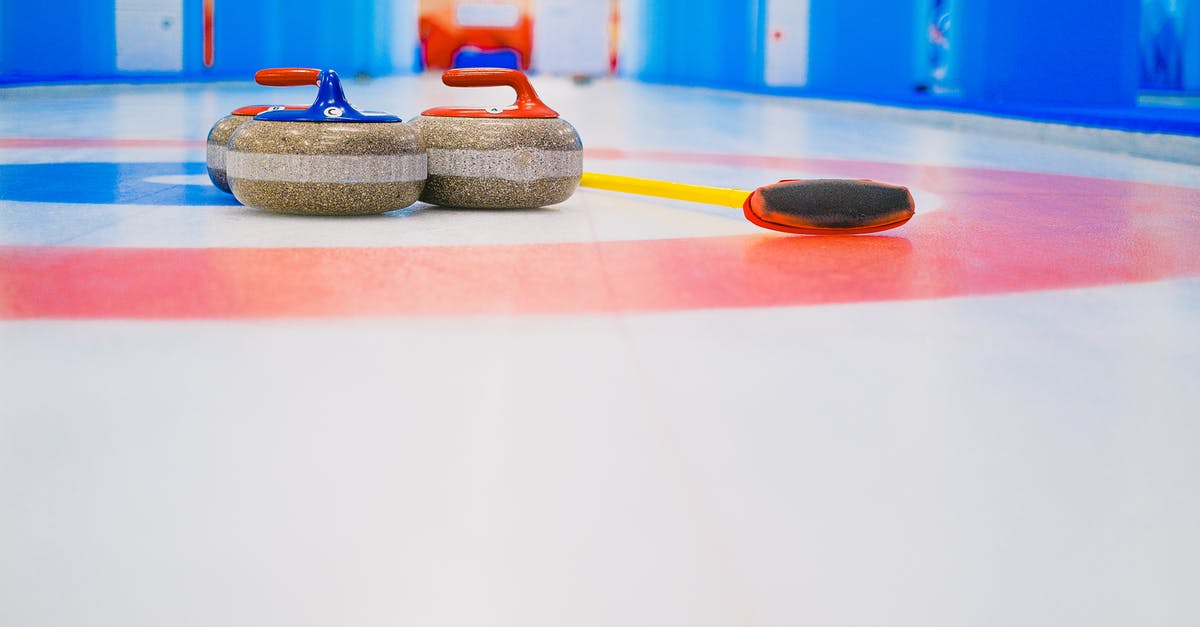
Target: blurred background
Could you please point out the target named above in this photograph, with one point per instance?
(619, 410)
(1132, 59)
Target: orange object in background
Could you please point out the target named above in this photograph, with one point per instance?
(207, 56)
(614, 35)
(447, 26)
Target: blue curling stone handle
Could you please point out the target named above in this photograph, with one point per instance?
(331, 106)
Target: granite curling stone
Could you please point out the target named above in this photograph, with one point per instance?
(218, 139)
(329, 159)
(218, 136)
(520, 156)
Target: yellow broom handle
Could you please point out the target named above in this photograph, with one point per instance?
(679, 191)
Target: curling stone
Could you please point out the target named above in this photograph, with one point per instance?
(329, 159)
(218, 137)
(519, 156)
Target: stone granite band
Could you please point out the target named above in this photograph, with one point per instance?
(216, 156)
(522, 164)
(265, 166)
(216, 166)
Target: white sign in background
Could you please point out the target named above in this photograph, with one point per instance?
(787, 43)
(571, 37)
(149, 35)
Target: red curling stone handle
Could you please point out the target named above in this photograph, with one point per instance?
(287, 76)
(528, 105)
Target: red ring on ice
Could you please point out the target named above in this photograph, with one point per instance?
(1001, 231)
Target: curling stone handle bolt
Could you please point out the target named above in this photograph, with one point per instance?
(287, 76)
(527, 105)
